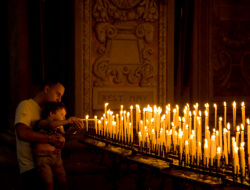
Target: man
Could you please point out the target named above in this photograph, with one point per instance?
(27, 113)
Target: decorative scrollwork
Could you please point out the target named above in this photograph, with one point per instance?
(245, 66)
(104, 30)
(147, 71)
(222, 68)
(125, 10)
(100, 68)
(145, 31)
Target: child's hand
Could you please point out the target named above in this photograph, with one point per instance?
(71, 119)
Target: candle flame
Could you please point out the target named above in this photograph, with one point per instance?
(218, 149)
(242, 127)
(153, 130)
(139, 132)
(238, 128)
(131, 107)
(213, 137)
(190, 113)
(87, 116)
(106, 104)
(225, 130)
(242, 144)
(220, 118)
(183, 119)
(248, 121)
(99, 121)
(207, 105)
(194, 113)
(234, 104)
(242, 104)
(228, 126)
(225, 104)
(215, 105)
(206, 114)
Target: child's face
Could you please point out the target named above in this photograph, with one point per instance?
(59, 114)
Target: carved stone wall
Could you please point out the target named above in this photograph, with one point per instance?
(231, 50)
(124, 53)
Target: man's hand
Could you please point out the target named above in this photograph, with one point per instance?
(78, 124)
(71, 120)
(57, 139)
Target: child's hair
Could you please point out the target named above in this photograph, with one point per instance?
(51, 107)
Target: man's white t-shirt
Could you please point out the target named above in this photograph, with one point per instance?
(27, 112)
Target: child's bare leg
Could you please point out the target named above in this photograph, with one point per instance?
(62, 181)
(47, 180)
(48, 185)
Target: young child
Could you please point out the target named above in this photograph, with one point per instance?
(47, 157)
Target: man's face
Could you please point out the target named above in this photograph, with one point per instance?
(54, 93)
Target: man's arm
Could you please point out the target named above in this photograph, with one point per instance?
(25, 133)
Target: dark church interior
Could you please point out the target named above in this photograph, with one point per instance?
(174, 55)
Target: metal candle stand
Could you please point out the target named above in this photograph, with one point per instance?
(188, 162)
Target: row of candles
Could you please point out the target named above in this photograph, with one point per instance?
(155, 129)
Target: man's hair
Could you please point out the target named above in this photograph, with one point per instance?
(50, 81)
(51, 107)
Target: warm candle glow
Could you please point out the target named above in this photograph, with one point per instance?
(238, 128)
(234, 104)
(242, 127)
(215, 105)
(218, 149)
(87, 116)
(225, 104)
(242, 144)
(228, 126)
(242, 104)
(206, 114)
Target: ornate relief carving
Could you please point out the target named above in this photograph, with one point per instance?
(231, 46)
(145, 31)
(86, 56)
(124, 53)
(245, 66)
(104, 30)
(162, 53)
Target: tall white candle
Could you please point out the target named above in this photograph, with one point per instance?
(237, 136)
(248, 140)
(243, 113)
(234, 116)
(215, 116)
(220, 131)
(228, 138)
(213, 149)
(207, 109)
(225, 151)
(206, 119)
(95, 123)
(190, 123)
(99, 126)
(242, 133)
(242, 159)
(105, 109)
(87, 123)
(225, 114)
(186, 152)
(218, 156)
